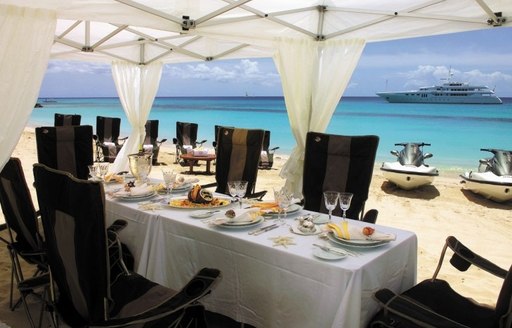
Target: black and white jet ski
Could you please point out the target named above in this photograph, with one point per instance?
(410, 171)
(494, 177)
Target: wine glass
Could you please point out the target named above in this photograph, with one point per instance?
(331, 200)
(169, 180)
(345, 200)
(93, 171)
(233, 189)
(103, 170)
(283, 198)
(241, 190)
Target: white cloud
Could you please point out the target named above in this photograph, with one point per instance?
(56, 67)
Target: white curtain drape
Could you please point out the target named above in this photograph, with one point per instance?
(314, 75)
(136, 86)
(26, 37)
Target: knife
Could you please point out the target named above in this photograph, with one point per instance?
(263, 229)
(332, 250)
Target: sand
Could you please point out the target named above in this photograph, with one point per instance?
(432, 212)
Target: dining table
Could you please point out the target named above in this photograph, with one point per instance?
(272, 279)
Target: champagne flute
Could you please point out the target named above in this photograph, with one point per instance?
(345, 200)
(331, 200)
(169, 180)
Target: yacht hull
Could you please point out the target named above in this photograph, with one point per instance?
(489, 185)
(408, 177)
(431, 99)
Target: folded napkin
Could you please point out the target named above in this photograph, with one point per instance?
(348, 231)
(143, 189)
(246, 217)
(200, 152)
(181, 181)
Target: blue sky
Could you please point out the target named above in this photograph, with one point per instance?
(481, 57)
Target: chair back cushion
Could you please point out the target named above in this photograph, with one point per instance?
(108, 129)
(66, 148)
(504, 303)
(151, 132)
(238, 154)
(339, 163)
(17, 205)
(67, 119)
(186, 133)
(72, 213)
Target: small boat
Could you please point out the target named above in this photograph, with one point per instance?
(446, 93)
(410, 171)
(494, 177)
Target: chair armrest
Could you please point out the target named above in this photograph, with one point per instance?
(201, 142)
(209, 185)
(464, 257)
(117, 226)
(175, 141)
(161, 142)
(409, 309)
(370, 216)
(274, 149)
(257, 195)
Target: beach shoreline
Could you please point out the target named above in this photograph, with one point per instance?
(432, 212)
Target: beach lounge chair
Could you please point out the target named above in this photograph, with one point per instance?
(67, 119)
(66, 148)
(238, 154)
(267, 153)
(339, 163)
(73, 216)
(108, 143)
(186, 138)
(433, 303)
(25, 243)
(151, 143)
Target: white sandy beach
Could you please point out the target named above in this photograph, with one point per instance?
(433, 213)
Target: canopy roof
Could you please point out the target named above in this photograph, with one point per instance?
(172, 31)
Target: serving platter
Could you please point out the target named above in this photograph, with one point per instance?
(184, 203)
(292, 209)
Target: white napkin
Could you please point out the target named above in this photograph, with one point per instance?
(200, 152)
(181, 181)
(247, 217)
(135, 191)
(349, 231)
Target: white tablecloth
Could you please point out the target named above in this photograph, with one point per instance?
(262, 284)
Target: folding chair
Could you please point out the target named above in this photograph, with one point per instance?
(67, 148)
(73, 215)
(151, 143)
(238, 154)
(267, 153)
(433, 303)
(186, 138)
(67, 119)
(25, 242)
(339, 163)
(108, 143)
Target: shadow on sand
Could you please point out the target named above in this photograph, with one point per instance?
(481, 200)
(425, 192)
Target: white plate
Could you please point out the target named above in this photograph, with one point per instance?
(356, 243)
(241, 225)
(291, 210)
(202, 214)
(182, 188)
(137, 198)
(324, 255)
(295, 229)
(321, 219)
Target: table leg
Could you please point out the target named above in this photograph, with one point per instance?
(208, 166)
(191, 166)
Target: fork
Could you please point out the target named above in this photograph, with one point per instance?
(338, 251)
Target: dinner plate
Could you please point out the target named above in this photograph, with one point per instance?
(295, 229)
(136, 198)
(291, 210)
(182, 188)
(356, 243)
(325, 255)
(321, 219)
(184, 203)
(202, 214)
(241, 225)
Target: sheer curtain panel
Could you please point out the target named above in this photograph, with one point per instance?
(26, 37)
(314, 75)
(136, 86)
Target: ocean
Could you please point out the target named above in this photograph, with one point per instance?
(456, 132)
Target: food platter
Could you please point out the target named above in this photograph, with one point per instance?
(292, 209)
(184, 203)
(362, 243)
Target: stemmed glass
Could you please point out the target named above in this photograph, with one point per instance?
(283, 198)
(103, 170)
(237, 190)
(345, 200)
(93, 171)
(169, 180)
(331, 200)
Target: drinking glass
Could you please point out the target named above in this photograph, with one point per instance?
(233, 189)
(93, 171)
(331, 200)
(283, 198)
(169, 180)
(103, 170)
(241, 190)
(345, 200)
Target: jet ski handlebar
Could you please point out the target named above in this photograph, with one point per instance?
(417, 143)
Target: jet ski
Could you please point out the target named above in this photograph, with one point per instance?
(410, 171)
(494, 177)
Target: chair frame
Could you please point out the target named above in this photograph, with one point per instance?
(178, 141)
(269, 152)
(151, 138)
(101, 137)
(67, 119)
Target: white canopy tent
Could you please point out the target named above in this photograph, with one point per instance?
(312, 41)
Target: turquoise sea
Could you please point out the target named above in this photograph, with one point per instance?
(456, 132)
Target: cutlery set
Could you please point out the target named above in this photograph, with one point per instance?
(261, 230)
